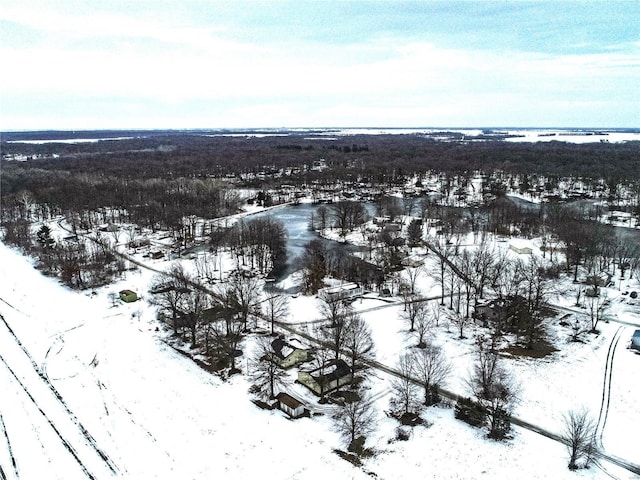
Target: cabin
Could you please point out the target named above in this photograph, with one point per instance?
(326, 378)
(128, 296)
(635, 341)
(286, 355)
(291, 406)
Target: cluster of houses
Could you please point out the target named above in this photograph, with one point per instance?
(321, 380)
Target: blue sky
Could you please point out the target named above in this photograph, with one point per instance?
(214, 64)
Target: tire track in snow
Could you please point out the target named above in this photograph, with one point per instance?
(64, 441)
(85, 433)
(14, 464)
(606, 387)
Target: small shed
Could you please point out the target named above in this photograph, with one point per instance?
(635, 341)
(128, 296)
(289, 405)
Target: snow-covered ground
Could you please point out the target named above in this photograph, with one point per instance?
(93, 391)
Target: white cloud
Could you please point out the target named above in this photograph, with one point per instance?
(163, 64)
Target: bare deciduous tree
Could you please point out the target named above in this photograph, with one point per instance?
(242, 294)
(597, 306)
(358, 343)
(579, 436)
(276, 307)
(432, 368)
(405, 391)
(460, 322)
(414, 311)
(354, 421)
(423, 325)
(494, 387)
(267, 377)
(412, 275)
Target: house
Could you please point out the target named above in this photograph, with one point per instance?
(128, 296)
(412, 262)
(492, 311)
(286, 355)
(157, 254)
(503, 311)
(346, 291)
(635, 341)
(291, 406)
(521, 249)
(330, 376)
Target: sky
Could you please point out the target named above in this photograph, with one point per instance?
(77, 65)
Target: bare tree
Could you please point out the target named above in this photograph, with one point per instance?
(333, 309)
(358, 343)
(267, 377)
(494, 387)
(443, 248)
(432, 367)
(313, 265)
(347, 215)
(597, 306)
(405, 391)
(171, 292)
(276, 308)
(242, 293)
(354, 421)
(414, 312)
(460, 321)
(195, 302)
(579, 436)
(578, 329)
(225, 339)
(423, 325)
(412, 275)
(333, 336)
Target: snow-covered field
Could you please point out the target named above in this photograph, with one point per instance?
(92, 391)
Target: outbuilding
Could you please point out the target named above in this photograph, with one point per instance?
(289, 405)
(128, 296)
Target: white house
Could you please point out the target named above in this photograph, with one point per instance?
(345, 291)
(521, 248)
